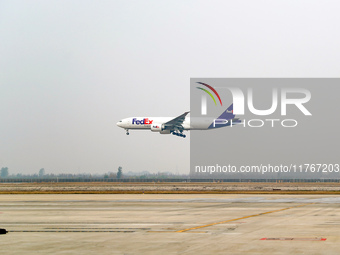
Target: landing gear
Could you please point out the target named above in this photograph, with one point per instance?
(127, 132)
(179, 134)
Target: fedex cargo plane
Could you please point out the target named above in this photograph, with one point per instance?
(176, 125)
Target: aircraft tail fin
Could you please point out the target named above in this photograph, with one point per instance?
(227, 118)
(228, 114)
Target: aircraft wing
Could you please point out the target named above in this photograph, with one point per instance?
(176, 123)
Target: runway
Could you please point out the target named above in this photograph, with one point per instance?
(170, 224)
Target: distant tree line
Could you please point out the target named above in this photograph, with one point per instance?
(110, 175)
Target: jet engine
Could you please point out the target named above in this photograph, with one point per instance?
(157, 127)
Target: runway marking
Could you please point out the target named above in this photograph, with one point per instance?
(241, 218)
(65, 228)
(161, 231)
(294, 239)
(66, 231)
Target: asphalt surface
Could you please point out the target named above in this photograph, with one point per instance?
(170, 224)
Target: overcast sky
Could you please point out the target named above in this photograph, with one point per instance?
(69, 70)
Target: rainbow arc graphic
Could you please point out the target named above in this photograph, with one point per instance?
(209, 93)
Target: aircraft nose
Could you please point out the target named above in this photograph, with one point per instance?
(119, 124)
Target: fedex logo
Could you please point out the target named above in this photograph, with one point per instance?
(144, 121)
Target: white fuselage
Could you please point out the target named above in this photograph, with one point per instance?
(176, 125)
(147, 122)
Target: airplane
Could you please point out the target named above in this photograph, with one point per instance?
(176, 126)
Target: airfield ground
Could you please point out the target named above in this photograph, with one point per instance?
(170, 224)
(171, 188)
